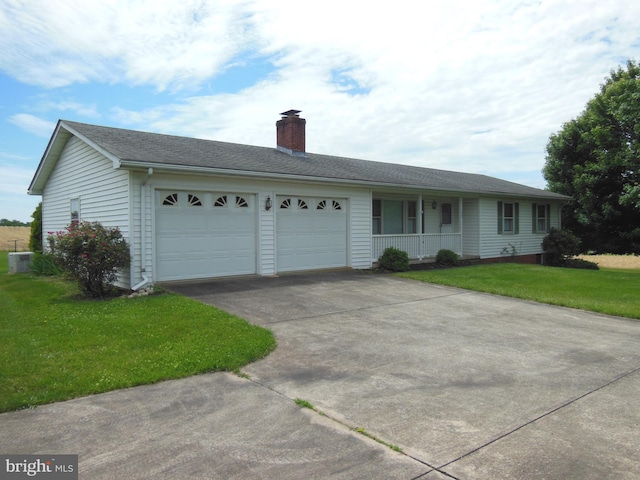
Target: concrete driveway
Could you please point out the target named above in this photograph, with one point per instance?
(468, 385)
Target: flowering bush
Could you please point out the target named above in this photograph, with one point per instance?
(91, 254)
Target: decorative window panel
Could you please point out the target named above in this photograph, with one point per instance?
(221, 201)
(170, 200)
(193, 201)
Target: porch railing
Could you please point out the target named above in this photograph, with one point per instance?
(418, 245)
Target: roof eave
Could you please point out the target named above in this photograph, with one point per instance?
(57, 142)
(158, 167)
(48, 161)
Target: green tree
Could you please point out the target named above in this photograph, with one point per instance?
(35, 239)
(595, 158)
(5, 222)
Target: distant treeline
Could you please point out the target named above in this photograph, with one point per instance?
(13, 223)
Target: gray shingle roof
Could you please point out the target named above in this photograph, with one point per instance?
(137, 147)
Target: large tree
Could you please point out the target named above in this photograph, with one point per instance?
(595, 158)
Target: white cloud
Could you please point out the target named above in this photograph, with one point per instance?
(463, 85)
(32, 124)
(165, 44)
(14, 180)
(12, 156)
(71, 106)
(15, 204)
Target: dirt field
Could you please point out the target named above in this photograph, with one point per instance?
(9, 234)
(614, 261)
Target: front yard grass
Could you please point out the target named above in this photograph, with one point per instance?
(55, 346)
(608, 291)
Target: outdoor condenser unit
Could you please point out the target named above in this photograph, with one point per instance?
(19, 261)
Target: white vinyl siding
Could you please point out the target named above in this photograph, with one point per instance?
(83, 173)
(494, 244)
(267, 235)
(470, 227)
(102, 193)
(359, 227)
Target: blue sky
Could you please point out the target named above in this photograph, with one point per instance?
(475, 86)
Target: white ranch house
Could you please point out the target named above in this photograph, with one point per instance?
(193, 208)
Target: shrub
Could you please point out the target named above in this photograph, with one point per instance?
(91, 254)
(559, 246)
(45, 264)
(580, 263)
(447, 258)
(394, 259)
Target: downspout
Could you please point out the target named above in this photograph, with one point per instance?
(143, 230)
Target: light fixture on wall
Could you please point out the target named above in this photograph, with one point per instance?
(267, 204)
(434, 204)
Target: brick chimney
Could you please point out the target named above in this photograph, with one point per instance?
(291, 133)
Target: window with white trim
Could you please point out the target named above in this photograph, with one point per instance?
(74, 206)
(412, 217)
(394, 217)
(541, 217)
(376, 220)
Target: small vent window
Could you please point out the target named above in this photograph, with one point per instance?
(322, 204)
(285, 204)
(302, 205)
(241, 202)
(75, 210)
(170, 200)
(194, 201)
(336, 205)
(221, 201)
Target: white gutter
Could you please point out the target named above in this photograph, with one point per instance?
(186, 169)
(143, 229)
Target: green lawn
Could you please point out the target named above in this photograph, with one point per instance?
(55, 346)
(609, 291)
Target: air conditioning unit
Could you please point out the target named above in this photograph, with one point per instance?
(19, 261)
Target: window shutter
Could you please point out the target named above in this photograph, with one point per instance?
(516, 219)
(499, 218)
(534, 218)
(548, 217)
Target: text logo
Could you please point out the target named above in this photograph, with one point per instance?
(48, 467)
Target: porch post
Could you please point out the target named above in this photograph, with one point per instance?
(419, 214)
(460, 219)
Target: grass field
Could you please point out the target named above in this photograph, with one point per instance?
(56, 346)
(614, 261)
(609, 291)
(9, 234)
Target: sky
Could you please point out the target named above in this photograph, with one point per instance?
(467, 85)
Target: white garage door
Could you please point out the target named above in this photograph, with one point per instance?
(201, 235)
(311, 233)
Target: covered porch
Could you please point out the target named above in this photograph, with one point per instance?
(420, 224)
